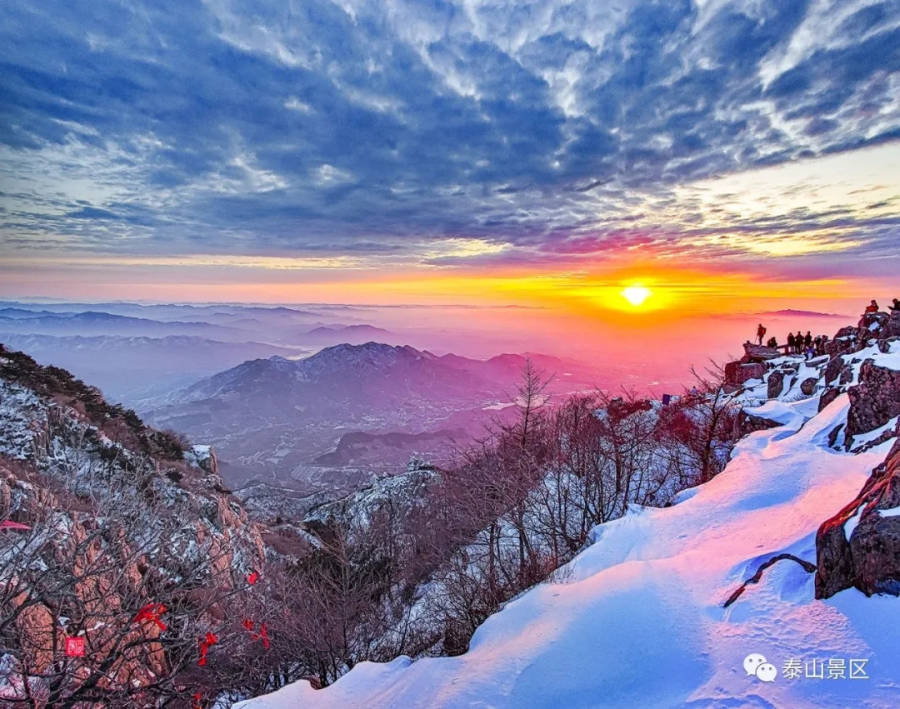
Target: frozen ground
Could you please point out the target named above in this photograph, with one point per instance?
(639, 620)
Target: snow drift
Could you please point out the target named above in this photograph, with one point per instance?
(637, 619)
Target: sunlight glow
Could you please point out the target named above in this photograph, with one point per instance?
(636, 295)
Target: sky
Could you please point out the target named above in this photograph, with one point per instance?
(727, 155)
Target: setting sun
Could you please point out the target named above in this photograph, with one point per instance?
(636, 295)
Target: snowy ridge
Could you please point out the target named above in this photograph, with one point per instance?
(638, 620)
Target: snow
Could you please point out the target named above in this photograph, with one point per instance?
(638, 620)
(895, 512)
(889, 361)
(851, 524)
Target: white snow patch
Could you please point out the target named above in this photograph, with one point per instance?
(851, 524)
(889, 361)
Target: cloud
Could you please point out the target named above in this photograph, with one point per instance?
(542, 131)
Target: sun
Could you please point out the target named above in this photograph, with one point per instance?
(636, 295)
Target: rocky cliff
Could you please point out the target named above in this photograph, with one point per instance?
(112, 532)
(860, 546)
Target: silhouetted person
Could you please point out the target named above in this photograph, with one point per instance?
(872, 307)
(807, 341)
(772, 342)
(799, 342)
(791, 343)
(895, 306)
(760, 333)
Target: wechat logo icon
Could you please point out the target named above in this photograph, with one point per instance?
(757, 666)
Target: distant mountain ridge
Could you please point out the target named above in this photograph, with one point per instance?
(370, 364)
(791, 313)
(283, 415)
(344, 371)
(93, 323)
(346, 329)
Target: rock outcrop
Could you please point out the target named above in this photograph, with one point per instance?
(860, 546)
(775, 384)
(117, 517)
(875, 401)
(738, 373)
(808, 386)
(747, 423)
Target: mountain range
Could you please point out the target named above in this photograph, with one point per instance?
(283, 419)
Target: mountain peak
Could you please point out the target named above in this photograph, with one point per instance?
(370, 355)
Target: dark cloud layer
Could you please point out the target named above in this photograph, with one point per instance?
(372, 127)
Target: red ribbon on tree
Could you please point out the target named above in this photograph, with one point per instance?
(263, 633)
(152, 612)
(8, 524)
(206, 643)
(197, 699)
(253, 577)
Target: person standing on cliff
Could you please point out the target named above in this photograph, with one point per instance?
(760, 333)
(790, 343)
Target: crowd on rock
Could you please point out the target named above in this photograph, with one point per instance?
(809, 346)
(796, 344)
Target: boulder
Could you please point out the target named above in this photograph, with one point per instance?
(759, 353)
(870, 559)
(892, 327)
(808, 386)
(874, 401)
(776, 384)
(829, 395)
(874, 322)
(847, 339)
(745, 424)
(834, 435)
(737, 373)
(846, 375)
(833, 369)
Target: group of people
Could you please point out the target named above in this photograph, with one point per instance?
(796, 344)
(895, 308)
(804, 344)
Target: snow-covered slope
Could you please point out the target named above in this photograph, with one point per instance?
(637, 619)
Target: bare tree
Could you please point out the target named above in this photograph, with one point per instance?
(120, 571)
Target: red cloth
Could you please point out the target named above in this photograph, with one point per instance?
(206, 643)
(263, 633)
(253, 577)
(6, 524)
(152, 612)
